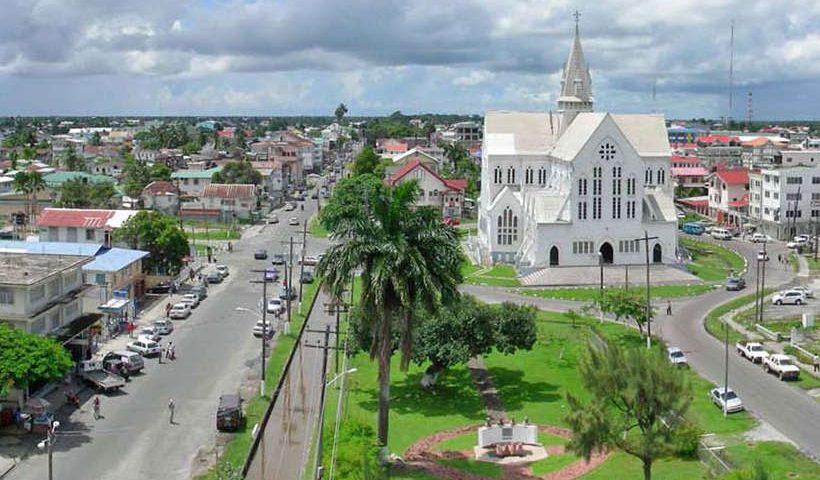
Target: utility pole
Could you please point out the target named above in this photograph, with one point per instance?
(325, 347)
(763, 281)
(337, 306)
(302, 263)
(726, 366)
(264, 309)
(646, 238)
(757, 288)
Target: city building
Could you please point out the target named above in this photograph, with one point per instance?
(193, 182)
(729, 196)
(719, 150)
(228, 201)
(161, 196)
(575, 187)
(435, 191)
(786, 201)
(81, 225)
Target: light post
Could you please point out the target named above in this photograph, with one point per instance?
(337, 424)
(264, 339)
(601, 267)
(51, 437)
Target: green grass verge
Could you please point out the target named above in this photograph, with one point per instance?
(710, 261)
(591, 293)
(214, 234)
(496, 276)
(553, 463)
(236, 450)
(793, 262)
(781, 460)
(716, 328)
(622, 465)
(484, 469)
(315, 227)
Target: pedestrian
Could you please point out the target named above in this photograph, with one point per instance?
(171, 407)
(780, 258)
(816, 363)
(96, 408)
(167, 309)
(173, 349)
(168, 350)
(668, 307)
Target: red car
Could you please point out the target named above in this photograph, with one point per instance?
(451, 221)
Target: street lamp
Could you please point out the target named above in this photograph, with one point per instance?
(320, 468)
(48, 442)
(264, 335)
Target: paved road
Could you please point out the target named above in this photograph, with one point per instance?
(214, 347)
(785, 407)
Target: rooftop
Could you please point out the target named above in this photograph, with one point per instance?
(29, 269)
(114, 260)
(196, 173)
(58, 178)
(221, 190)
(734, 177)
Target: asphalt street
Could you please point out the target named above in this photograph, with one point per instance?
(214, 347)
(787, 408)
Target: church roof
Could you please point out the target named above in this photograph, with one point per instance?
(514, 133)
(547, 206)
(575, 72)
(645, 133)
(577, 135)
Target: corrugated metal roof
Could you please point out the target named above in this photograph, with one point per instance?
(196, 173)
(50, 248)
(222, 190)
(114, 260)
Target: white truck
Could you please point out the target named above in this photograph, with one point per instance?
(782, 366)
(751, 350)
(93, 373)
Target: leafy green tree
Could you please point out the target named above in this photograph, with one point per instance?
(406, 256)
(461, 166)
(340, 112)
(239, 138)
(26, 359)
(191, 148)
(13, 157)
(465, 328)
(137, 174)
(158, 234)
(238, 172)
(623, 304)
(96, 139)
(366, 162)
(29, 184)
(72, 161)
(637, 403)
(79, 193)
(29, 153)
(167, 135)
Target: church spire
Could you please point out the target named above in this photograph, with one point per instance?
(576, 84)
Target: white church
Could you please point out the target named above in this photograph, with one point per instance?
(575, 187)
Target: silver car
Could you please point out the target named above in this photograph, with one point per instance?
(727, 396)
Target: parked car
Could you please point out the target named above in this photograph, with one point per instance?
(273, 219)
(164, 287)
(735, 283)
(149, 333)
(751, 350)
(806, 290)
(721, 234)
(131, 360)
(677, 357)
(214, 277)
(223, 270)
(789, 297)
(271, 275)
(759, 238)
(314, 195)
(164, 327)
(191, 299)
(693, 228)
(260, 327)
(278, 259)
(144, 347)
(260, 254)
(797, 243)
(180, 311)
(285, 292)
(93, 373)
(307, 277)
(275, 306)
(310, 260)
(727, 396)
(782, 366)
(293, 221)
(229, 416)
(200, 291)
(762, 256)
(289, 207)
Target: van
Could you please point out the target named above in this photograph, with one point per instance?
(721, 234)
(229, 415)
(132, 360)
(693, 228)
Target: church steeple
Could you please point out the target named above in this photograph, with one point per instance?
(576, 84)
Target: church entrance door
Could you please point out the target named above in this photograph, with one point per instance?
(607, 254)
(553, 256)
(657, 253)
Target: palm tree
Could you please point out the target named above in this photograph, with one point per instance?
(405, 254)
(29, 184)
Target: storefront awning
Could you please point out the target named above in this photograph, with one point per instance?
(115, 305)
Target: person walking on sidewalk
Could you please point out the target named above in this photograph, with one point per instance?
(167, 309)
(171, 408)
(816, 363)
(97, 415)
(169, 350)
(669, 307)
(172, 351)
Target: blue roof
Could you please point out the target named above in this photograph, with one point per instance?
(114, 260)
(51, 248)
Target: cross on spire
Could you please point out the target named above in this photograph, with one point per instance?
(577, 16)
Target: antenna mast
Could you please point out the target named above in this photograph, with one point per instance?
(749, 112)
(731, 72)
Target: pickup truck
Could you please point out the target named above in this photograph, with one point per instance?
(782, 366)
(751, 350)
(92, 372)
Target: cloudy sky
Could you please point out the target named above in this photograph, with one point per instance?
(284, 57)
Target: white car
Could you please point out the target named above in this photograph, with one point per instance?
(289, 207)
(259, 327)
(762, 256)
(149, 333)
(797, 242)
(191, 299)
(310, 260)
(180, 311)
(676, 357)
(275, 306)
(144, 347)
(223, 270)
(727, 396)
(806, 291)
(293, 221)
(164, 327)
(789, 297)
(759, 238)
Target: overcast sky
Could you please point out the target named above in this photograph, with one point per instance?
(285, 57)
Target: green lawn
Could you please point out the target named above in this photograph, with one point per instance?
(553, 463)
(473, 466)
(623, 466)
(589, 294)
(716, 328)
(496, 276)
(214, 234)
(236, 450)
(315, 227)
(780, 459)
(710, 261)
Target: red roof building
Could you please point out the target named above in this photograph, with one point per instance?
(74, 217)
(221, 190)
(435, 191)
(739, 176)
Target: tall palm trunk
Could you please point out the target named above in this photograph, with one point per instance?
(384, 353)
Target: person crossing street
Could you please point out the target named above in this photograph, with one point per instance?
(171, 408)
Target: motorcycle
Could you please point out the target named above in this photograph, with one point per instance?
(72, 398)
